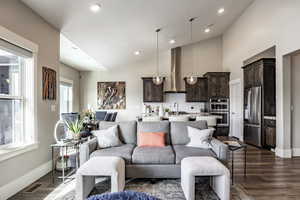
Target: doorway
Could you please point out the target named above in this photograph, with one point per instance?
(236, 107)
(295, 107)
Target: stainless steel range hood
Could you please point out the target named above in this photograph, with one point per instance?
(175, 85)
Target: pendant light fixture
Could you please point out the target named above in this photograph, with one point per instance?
(157, 80)
(191, 80)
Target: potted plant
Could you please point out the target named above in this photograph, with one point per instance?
(75, 128)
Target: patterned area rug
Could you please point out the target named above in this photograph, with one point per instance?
(165, 189)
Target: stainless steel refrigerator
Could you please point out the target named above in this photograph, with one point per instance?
(253, 116)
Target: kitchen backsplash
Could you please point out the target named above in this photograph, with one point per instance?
(179, 98)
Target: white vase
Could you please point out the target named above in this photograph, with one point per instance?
(161, 111)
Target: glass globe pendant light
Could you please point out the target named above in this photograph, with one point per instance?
(191, 80)
(157, 80)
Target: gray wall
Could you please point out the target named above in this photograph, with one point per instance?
(70, 73)
(19, 19)
(208, 57)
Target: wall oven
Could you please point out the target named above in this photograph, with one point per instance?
(220, 107)
(223, 119)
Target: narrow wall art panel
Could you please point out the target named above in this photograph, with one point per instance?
(49, 84)
(111, 95)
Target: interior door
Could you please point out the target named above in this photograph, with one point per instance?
(236, 109)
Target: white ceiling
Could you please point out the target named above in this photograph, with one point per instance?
(72, 55)
(112, 35)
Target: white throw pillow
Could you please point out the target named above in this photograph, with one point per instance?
(108, 137)
(199, 138)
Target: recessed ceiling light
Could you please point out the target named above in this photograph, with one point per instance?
(95, 7)
(221, 11)
(172, 41)
(207, 30)
(137, 53)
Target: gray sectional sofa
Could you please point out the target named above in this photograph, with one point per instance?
(153, 162)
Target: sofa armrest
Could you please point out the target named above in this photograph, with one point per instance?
(220, 149)
(86, 149)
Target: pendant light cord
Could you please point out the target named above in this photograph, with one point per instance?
(193, 56)
(157, 52)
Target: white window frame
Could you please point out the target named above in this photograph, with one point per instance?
(10, 151)
(62, 79)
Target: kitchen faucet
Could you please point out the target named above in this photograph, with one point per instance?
(176, 108)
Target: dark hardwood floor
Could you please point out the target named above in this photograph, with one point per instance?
(268, 177)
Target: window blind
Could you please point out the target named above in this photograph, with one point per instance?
(14, 49)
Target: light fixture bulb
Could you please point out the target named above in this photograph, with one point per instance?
(207, 30)
(172, 41)
(221, 11)
(137, 53)
(191, 80)
(157, 80)
(95, 7)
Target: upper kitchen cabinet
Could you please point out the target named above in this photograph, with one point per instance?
(218, 84)
(253, 74)
(152, 92)
(196, 92)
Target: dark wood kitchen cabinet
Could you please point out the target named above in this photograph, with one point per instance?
(253, 75)
(152, 92)
(196, 92)
(269, 134)
(218, 84)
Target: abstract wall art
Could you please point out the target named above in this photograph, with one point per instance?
(49, 84)
(111, 95)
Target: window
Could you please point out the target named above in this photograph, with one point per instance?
(16, 96)
(66, 96)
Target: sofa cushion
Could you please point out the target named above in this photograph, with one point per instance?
(182, 151)
(123, 151)
(163, 126)
(153, 155)
(127, 130)
(179, 133)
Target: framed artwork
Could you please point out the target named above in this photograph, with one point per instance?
(49, 84)
(111, 95)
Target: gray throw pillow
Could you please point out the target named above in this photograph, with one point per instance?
(108, 137)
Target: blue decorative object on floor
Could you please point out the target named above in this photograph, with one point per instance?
(126, 195)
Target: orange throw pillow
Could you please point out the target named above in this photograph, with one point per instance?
(151, 139)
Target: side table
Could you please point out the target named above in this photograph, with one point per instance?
(63, 150)
(229, 141)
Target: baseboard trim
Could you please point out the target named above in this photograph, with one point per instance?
(283, 153)
(296, 152)
(22, 182)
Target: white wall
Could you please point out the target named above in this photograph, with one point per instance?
(208, 57)
(264, 24)
(21, 20)
(72, 74)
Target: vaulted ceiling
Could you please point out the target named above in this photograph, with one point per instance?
(112, 35)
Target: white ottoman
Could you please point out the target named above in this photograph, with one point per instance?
(100, 166)
(205, 166)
